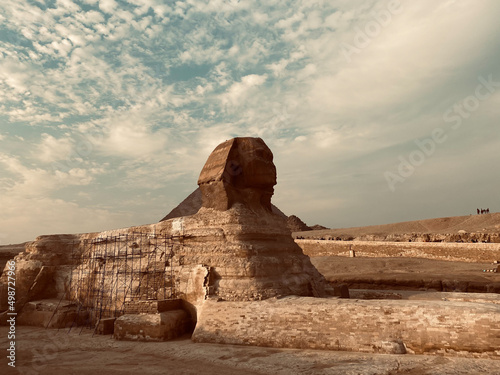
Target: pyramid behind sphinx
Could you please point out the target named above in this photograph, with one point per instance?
(192, 205)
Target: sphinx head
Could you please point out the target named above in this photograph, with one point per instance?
(240, 170)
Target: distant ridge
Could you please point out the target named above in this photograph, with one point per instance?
(487, 223)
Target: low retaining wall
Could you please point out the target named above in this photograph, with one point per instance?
(152, 327)
(152, 306)
(442, 327)
(462, 252)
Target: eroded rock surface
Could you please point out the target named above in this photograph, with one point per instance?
(10, 251)
(39, 268)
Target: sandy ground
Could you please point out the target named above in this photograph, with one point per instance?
(41, 351)
(407, 273)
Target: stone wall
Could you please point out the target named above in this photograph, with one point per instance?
(151, 306)
(152, 327)
(483, 237)
(464, 252)
(470, 329)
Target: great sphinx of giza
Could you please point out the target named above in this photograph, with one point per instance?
(236, 247)
(237, 183)
(247, 246)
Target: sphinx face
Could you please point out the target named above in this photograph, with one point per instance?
(256, 167)
(239, 170)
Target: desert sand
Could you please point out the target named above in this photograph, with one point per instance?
(487, 223)
(406, 273)
(41, 351)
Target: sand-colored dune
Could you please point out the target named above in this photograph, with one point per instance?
(486, 223)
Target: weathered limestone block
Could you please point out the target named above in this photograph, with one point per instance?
(460, 252)
(192, 287)
(106, 326)
(50, 313)
(26, 272)
(458, 237)
(152, 306)
(8, 252)
(394, 326)
(52, 252)
(33, 281)
(152, 327)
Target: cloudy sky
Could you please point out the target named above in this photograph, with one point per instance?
(376, 111)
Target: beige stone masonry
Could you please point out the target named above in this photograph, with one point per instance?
(471, 329)
(461, 252)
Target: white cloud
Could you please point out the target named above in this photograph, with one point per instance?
(107, 6)
(29, 208)
(237, 93)
(25, 218)
(274, 70)
(37, 182)
(52, 149)
(130, 136)
(67, 5)
(15, 74)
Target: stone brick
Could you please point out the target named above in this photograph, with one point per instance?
(341, 291)
(152, 327)
(461, 252)
(106, 326)
(168, 305)
(352, 325)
